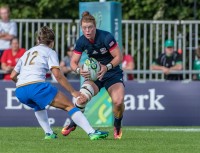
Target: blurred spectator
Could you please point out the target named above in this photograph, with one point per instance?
(128, 64)
(196, 64)
(8, 29)
(168, 61)
(65, 65)
(10, 57)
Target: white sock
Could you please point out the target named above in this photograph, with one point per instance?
(80, 120)
(42, 118)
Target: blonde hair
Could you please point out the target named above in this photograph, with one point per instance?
(45, 35)
(87, 17)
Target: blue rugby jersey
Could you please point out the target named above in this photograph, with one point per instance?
(99, 49)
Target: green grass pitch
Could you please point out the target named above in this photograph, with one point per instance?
(134, 140)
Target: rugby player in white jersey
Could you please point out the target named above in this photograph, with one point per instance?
(32, 90)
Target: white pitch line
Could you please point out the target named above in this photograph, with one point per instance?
(164, 129)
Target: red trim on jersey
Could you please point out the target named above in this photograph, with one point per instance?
(77, 52)
(113, 47)
(91, 41)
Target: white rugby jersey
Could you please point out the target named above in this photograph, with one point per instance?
(34, 64)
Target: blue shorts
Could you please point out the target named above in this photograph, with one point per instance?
(109, 80)
(37, 95)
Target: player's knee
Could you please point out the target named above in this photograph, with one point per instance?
(118, 101)
(88, 91)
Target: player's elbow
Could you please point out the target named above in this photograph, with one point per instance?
(58, 76)
(13, 76)
(57, 73)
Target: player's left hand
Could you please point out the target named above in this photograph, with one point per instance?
(102, 71)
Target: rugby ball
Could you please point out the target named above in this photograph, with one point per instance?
(93, 66)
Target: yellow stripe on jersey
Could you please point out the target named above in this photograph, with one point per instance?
(30, 83)
(55, 67)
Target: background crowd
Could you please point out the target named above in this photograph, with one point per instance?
(10, 51)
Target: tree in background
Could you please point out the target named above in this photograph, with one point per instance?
(159, 10)
(131, 9)
(45, 9)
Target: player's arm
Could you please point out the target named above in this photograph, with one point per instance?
(53, 64)
(63, 81)
(75, 62)
(117, 59)
(114, 50)
(111, 44)
(117, 56)
(14, 75)
(75, 65)
(16, 71)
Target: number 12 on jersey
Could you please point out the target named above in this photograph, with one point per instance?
(31, 57)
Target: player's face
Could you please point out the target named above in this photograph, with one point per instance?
(89, 30)
(169, 50)
(4, 14)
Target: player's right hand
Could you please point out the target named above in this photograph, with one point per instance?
(102, 71)
(85, 74)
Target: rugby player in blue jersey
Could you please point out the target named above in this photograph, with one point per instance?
(102, 46)
(32, 90)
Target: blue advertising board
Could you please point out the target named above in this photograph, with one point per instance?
(146, 104)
